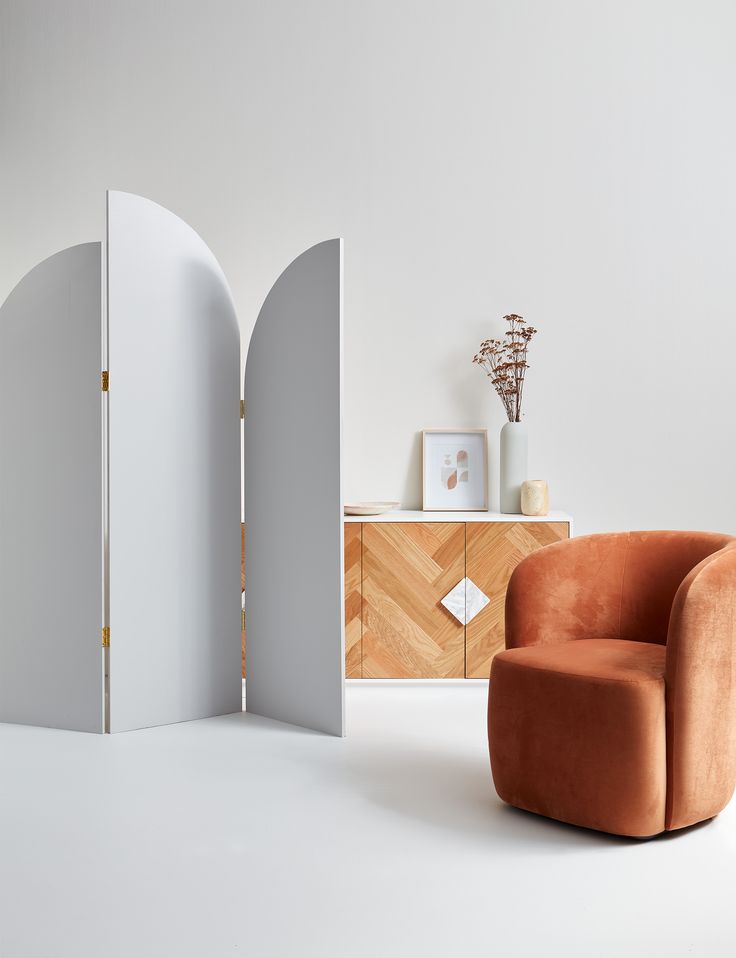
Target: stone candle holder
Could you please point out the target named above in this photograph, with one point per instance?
(534, 497)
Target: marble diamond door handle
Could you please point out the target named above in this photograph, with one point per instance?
(465, 601)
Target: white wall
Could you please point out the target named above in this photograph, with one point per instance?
(569, 160)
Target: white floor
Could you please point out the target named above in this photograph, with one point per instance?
(240, 836)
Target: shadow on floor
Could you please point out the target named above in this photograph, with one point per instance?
(268, 725)
(445, 789)
(454, 792)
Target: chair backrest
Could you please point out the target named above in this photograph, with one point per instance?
(618, 585)
(655, 566)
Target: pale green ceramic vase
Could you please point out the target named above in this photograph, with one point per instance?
(514, 454)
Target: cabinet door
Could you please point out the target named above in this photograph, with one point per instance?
(494, 549)
(408, 567)
(353, 623)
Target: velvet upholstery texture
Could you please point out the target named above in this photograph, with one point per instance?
(614, 704)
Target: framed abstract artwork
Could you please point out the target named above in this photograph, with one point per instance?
(455, 470)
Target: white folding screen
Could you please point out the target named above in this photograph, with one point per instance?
(174, 438)
(293, 502)
(121, 508)
(51, 495)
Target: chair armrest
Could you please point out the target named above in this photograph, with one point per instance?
(700, 681)
(569, 590)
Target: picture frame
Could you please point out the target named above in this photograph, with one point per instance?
(455, 470)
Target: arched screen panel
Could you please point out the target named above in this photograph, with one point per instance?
(174, 466)
(51, 664)
(293, 501)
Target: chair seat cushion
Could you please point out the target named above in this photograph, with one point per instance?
(577, 733)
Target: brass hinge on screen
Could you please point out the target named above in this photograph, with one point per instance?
(105, 380)
(242, 409)
(242, 620)
(105, 636)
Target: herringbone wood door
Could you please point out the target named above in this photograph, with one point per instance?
(353, 625)
(408, 567)
(494, 549)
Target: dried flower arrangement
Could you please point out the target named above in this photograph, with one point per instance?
(504, 362)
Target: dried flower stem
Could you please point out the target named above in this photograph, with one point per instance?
(504, 362)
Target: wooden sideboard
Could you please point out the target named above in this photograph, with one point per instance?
(400, 566)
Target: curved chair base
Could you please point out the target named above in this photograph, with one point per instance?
(577, 733)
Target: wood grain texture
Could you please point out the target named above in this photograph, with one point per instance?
(353, 620)
(494, 549)
(407, 569)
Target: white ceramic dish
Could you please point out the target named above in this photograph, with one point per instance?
(369, 508)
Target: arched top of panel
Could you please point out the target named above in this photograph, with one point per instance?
(65, 260)
(130, 215)
(305, 270)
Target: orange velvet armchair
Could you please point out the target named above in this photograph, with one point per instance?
(614, 704)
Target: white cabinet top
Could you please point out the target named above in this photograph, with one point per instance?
(401, 515)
